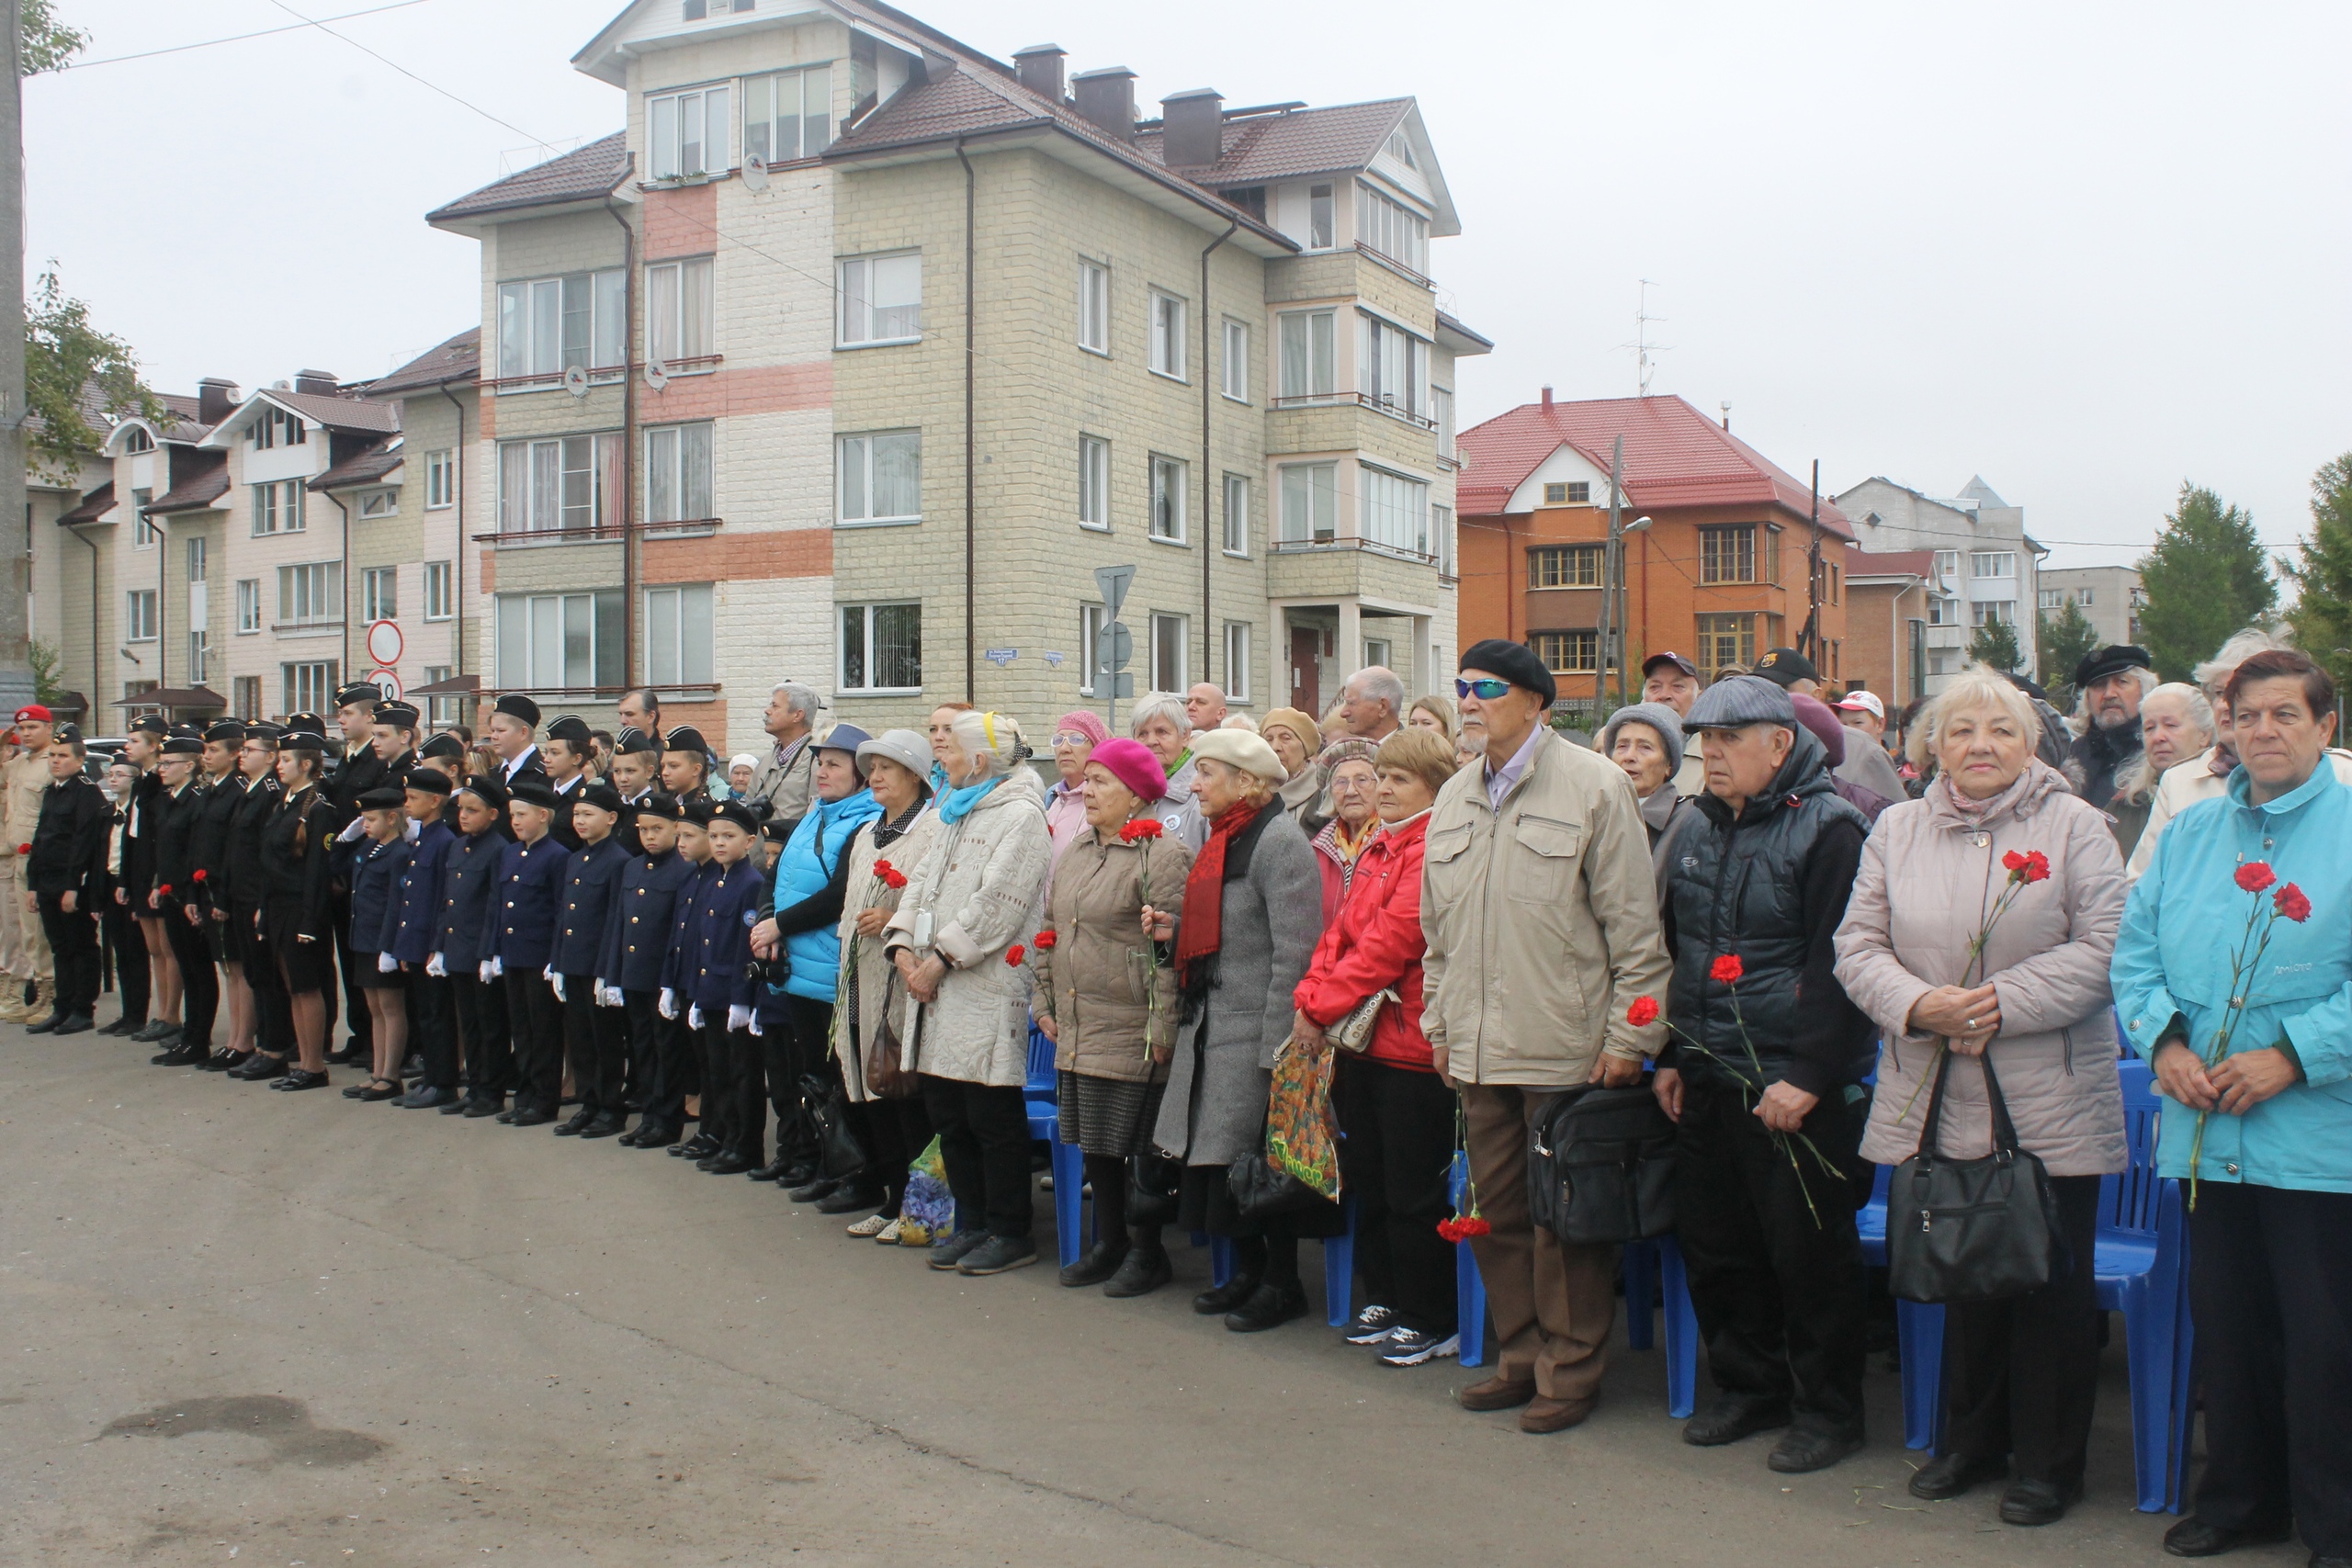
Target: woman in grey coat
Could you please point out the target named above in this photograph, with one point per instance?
(1253, 915)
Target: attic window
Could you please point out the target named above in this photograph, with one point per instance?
(1399, 148)
(697, 9)
(138, 440)
(1575, 492)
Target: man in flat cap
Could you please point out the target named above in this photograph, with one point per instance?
(2108, 684)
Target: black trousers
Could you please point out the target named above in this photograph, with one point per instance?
(898, 1131)
(796, 1049)
(273, 1009)
(355, 996)
(200, 981)
(432, 1026)
(1396, 1156)
(596, 1041)
(984, 1143)
(133, 981)
(1775, 1266)
(730, 1089)
(660, 1043)
(2020, 1377)
(479, 1008)
(2270, 1291)
(74, 946)
(535, 1019)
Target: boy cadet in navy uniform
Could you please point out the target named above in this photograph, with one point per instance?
(638, 939)
(519, 946)
(595, 1029)
(432, 1009)
(176, 815)
(470, 873)
(248, 888)
(445, 753)
(375, 868)
(565, 752)
(675, 996)
(731, 902)
(636, 775)
(686, 764)
(206, 901)
(63, 877)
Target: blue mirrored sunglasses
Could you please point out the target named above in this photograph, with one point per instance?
(1486, 686)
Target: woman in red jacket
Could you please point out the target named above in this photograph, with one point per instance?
(1397, 1113)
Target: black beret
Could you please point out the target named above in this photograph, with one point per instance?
(66, 731)
(686, 738)
(302, 741)
(227, 729)
(534, 790)
(305, 724)
(777, 831)
(699, 810)
(383, 799)
(735, 811)
(489, 791)
(1515, 662)
(601, 796)
(443, 745)
(516, 705)
(2098, 666)
(635, 742)
(400, 716)
(187, 729)
(148, 723)
(359, 692)
(571, 729)
(663, 806)
(267, 733)
(183, 746)
(426, 781)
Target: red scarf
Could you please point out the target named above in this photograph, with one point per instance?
(1198, 934)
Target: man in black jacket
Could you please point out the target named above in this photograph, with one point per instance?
(359, 768)
(1762, 1078)
(2109, 684)
(64, 875)
(205, 901)
(176, 816)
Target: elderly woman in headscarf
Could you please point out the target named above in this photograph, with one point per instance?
(1347, 769)
(1646, 740)
(1296, 740)
(1076, 734)
(2175, 727)
(1250, 926)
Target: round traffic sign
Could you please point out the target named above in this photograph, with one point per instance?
(387, 683)
(384, 643)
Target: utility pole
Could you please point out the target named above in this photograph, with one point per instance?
(1612, 573)
(15, 671)
(1810, 644)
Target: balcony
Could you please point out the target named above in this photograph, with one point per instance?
(1344, 567)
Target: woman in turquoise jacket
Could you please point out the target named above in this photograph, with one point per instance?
(2269, 1122)
(802, 935)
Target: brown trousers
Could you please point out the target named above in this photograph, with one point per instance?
(1553, 1304)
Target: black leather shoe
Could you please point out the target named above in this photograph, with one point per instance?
(426, 1096)
(1731, 1417)
(999, 1255)
(775, 1170)
(481, 1107)
(1226, 1297)
(1142, 1271)
(47, 1025)
(1800, 1451)
(220, 1061)
(809, 1193)
(1949, 1476)
(79, 1023)
(122, 1026)
(532, 1118)
(848, 1199)
(455, 1105)
(800, 1173)
(603, 1125)
(572, 1126)
(183, 1057)
(300, 1078)
(1268, 1306)
(658, 1134)
(381, 1089)
(698, 1148)
(350, 1053)
(2194, 1538)
(151, 1031)
(725, 1163)
(258, 1066)
(2037, 1502)
(1098, 1265)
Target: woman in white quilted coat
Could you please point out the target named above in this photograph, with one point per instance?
(977, 897)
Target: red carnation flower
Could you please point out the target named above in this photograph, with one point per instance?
(199, 873)
(1449, 1230)
(2254, 875)
(1728, 969)
(2037, 867)
(1015, 953)
(164, 888)
(2013, 862)
(24, 849)
(1045, 941)
(1473, 1225)
(1140, 828)
(1644, 1012)
(2290, 902)
(890, 874)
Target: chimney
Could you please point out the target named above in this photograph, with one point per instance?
(214, 398)
(1040, 66)
(322, 382)
(1107, 98)
(1193, 128)
(1548, 396)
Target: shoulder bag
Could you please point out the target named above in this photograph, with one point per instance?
(1972, 1230)
(1353, 1034)
(1600, 1166)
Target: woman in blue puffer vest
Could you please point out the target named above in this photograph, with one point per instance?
(811, 883)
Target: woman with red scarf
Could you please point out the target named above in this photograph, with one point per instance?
(1253, 913)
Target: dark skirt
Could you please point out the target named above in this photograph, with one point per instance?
(307, 965)
(366, 976)
(1107, 1118)
(1205, 1203)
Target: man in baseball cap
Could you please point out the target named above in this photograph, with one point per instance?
(1790, 670)
(1868, 765)
(1672, 679)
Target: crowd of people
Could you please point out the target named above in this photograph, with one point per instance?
(1785, 910)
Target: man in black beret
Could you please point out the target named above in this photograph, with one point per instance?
(514, 727)
(2108, 684)
(177, 816)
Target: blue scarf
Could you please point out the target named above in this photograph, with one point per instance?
(956, 804)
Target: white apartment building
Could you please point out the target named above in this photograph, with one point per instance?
(1985, 566)
(2108, 596)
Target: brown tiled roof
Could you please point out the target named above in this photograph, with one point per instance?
(93, 506)
(457, 359)
(578, 175)
(369, 464)
(198, 479)
(341, 413)
(1261, 148)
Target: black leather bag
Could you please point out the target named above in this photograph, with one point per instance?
(1154, 1189)
(1261, 1193)
(824, 1107)
(1972, 1230)
(1600, 1166)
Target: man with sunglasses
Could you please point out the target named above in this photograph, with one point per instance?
(1541, 912)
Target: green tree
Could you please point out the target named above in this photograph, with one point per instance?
(47, 665)
(1996, 643)
(72, 371)
(2062, 640)
(2206, 578)
(44, 43)
(2320, 570)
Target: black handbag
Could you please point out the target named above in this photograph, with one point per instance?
(1154, 1189)
(1600, 1166)
(824, 1109)
(1972, 1230)
(1262, 1193)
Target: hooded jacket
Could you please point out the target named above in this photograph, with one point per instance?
(811, 888)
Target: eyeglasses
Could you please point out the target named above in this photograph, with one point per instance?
(1352, 787)
(1073, 738)
(1485, 688)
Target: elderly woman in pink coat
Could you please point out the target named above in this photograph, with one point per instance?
(2018, 1375)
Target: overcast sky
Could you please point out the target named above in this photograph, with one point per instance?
(2086, 250)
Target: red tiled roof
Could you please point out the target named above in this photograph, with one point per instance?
(1675, 456)
(578, 175)
(339, 412)
(455, 360)
(1301, 141)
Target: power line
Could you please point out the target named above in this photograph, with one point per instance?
(536, 140)
(233, 37)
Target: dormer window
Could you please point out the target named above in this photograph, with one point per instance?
(696, 10)
(688, 132)
(138, 441)
(1401, 148)
(276, 427)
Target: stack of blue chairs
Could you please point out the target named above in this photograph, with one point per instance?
(1041, 1093)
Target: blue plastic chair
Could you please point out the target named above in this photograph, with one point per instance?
(1041, 1094)
(1919, 1327)
(1655, 1276)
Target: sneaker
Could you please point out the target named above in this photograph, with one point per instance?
(999, 1255)
(1372, 1326)
(872, 1225)
(950, 1250)
(1411, 1347)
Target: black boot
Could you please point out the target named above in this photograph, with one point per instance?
(1098, 1265)
(1145, 1266)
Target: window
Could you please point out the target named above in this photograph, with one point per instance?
(1309, 353)
(565, 483)
(1236, 514)
(881, 647)
(1442, 526)
(200, 656)
(678, 310)
(1727, 555)
(881, 477)
(1943, 612)
(1993, 611)
(278, 508)
(688, 133)
(677, 473)
(276, 427)
(1993, 563)
(195, 554)
(1400, 149)
(1236, 361)
(138, 441)
(1093, 482)
(148, 532)
(310, 594)
(1395, 369)
(1167, 335)
(440, 712)
(1947, 564)
(2082, 596)
(379, 593)
(1567, 653)
(1725, 639)
(1320, 226)
(440, 479)
(678, 637)
(788, 114)
(1090, 627)
(1395, 510)
(2049, 599)
(1310, 503)
(1442, 412)
(380, 503)
(1236, 660)
(1094, 307)
(1170, 637)
(132, 689)
(1575, 492)
(1168, 499)
(882, 299)
(244, 697)
(547, 325)
(139, 615)
(1391, 229)
(436, 590)
(310, 686)
(559, 641)
(249, 604)
(1563, 566)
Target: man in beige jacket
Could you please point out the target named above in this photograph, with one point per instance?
(23, 779)
(1541, 911)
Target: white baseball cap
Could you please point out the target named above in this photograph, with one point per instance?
(1861, 702)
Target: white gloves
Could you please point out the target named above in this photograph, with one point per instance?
(666, 1004)
(387, 965)
(739, 1018)
(410, 829)
(435, 968)
(488, 970)
(694, 1016)
(613, 998)
(497, 968)
(352, 832)
(757, 1033)
(605, 996)
(552, 978)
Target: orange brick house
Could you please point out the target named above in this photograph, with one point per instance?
(1718, 575)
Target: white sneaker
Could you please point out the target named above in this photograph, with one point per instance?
(873, 1224)
(1410, 1348)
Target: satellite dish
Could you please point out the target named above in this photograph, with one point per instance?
(575, 380)
(755, 175)
(657, 375)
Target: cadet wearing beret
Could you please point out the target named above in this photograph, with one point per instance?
(470, 878)
(143, 812)
(637, 932)
(178, 812)
(376, 869)
(675, 1000)
(595, 1029)
(205, 901)
(686, 764)
(296, 919)
(520, 944)
(446, 752)
(272, 1040)
(566, 756)
(513, 726)
(719, 988)
(432, 1005)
